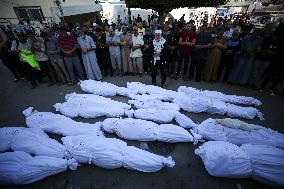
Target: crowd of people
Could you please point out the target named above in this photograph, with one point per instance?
(229, 50)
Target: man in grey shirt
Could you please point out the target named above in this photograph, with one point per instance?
(53, 52)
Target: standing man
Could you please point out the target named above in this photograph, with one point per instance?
(159, 52)
(126, 42)
(200, 53)
(68, 45)
(172, 40)
(53, 52)
(113, 41)
(88, 48)
(136, 52)
(102, 52)
(186, 41)
(147, 56)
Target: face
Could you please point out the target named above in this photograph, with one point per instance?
(84, 29)
(187, 27)
(157, 36)
(140, 24)
(111, 32)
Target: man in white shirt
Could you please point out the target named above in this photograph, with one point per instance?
(136, 52)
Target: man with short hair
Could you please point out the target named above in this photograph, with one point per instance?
(136, 52)
(88, 48)
(113, 41)
(68, 45)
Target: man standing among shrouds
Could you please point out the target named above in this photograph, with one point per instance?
(136, 52)
(88, 48)
(159, 52)
(68, 45)
(126, 42)
(113, 41)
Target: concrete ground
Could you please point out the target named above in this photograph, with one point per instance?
(189, 171)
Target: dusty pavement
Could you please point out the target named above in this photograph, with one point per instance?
(189, 172)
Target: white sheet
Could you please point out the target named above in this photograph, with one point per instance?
(267, 163)
(59, 124)
(198, 104)
(141, 130)
(113, 153)
(92, 106)
(160, 116)
(21, 168)
(223, 159)
(238, 132)
(35, 142)
(104, 88)
(7, 135)
(233, 99)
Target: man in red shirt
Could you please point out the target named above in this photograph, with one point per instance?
(186, 42)
(68, 45)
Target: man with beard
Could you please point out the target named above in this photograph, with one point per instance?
(159, 51)
(88, 48)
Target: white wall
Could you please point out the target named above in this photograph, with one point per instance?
(7, 11)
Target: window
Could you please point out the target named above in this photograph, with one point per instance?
(29, 13)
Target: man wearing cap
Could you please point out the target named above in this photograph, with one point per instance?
(159, 52)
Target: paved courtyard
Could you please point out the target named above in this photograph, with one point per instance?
(189, 171)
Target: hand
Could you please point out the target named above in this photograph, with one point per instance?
(157, 54)
(84, 50)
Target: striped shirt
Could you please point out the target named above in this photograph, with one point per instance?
(67, 43)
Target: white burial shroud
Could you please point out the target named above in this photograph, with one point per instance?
(7, 135)
(141, 130)
(260, 162)
(233, 99)
(59, 124)
(36, 142)
(104, 88)
(223, 159)
(267, 163)
(239, 132)
(198, 104)
(92, 106)
(21, 168)
(111, 153)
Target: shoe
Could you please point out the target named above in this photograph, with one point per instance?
(16, 80)
(185, 78)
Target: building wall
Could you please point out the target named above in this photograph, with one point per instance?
(7, 11)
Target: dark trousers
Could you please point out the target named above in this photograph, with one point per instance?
(196, 66)
(48, 70)
(273, 74)
(147, 63)
(227, 64)
(104, 63)
(31, 73)
(185, 61)
(12, 62)
(159, 65)
(171, 63)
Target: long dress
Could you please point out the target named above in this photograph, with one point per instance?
(242, 70)
(125, 53)
(89, 59)
(212, 64)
